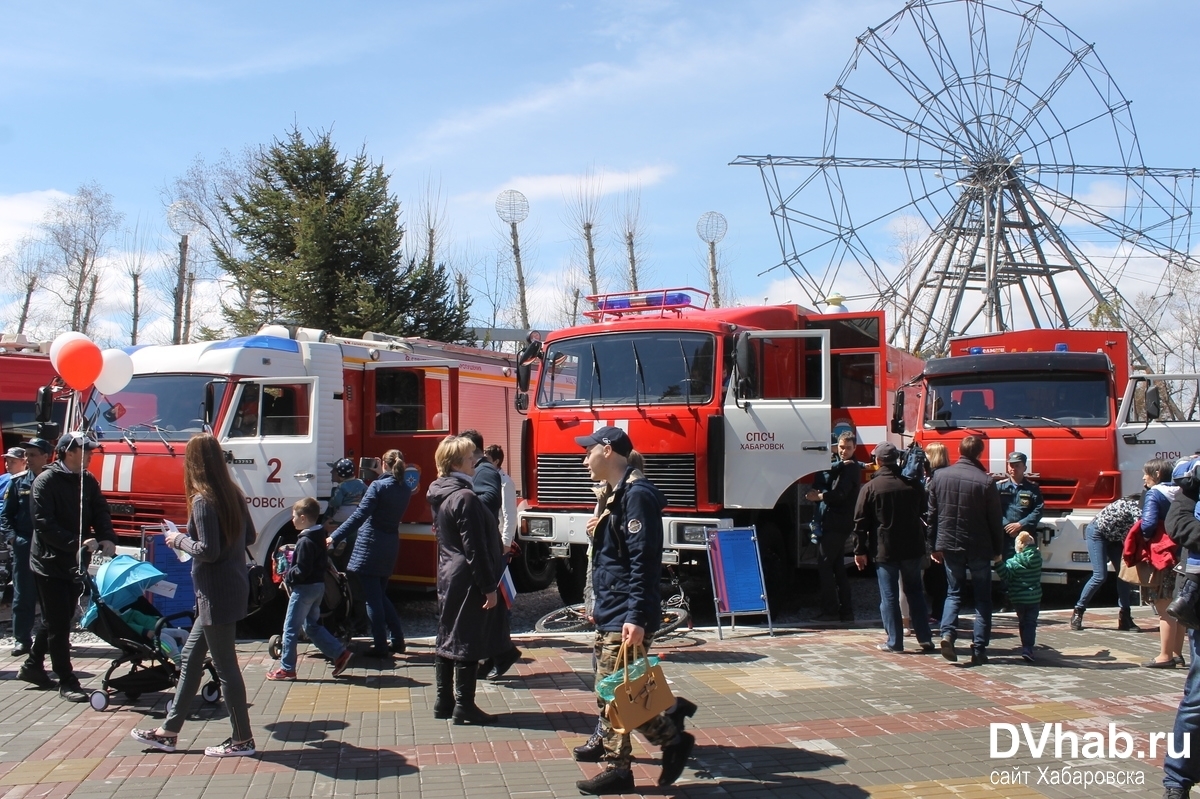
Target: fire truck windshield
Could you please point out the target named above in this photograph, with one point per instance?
(154, 407)
(650, 367)
(1018, 400)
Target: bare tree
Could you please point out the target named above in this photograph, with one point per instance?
(26, 264)
(134, 257)
(427, 238)
(199, 194)
(77, 231)
(583, 215)
(569, 302)
(633, 236)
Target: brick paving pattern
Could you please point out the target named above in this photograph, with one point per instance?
(808, 712)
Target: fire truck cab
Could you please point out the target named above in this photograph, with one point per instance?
(733, 410)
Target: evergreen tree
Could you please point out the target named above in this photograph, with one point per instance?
(321, 248)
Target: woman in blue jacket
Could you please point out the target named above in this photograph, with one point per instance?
(377, 521)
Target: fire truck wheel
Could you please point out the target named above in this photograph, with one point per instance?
(533, 568)
(571, 575)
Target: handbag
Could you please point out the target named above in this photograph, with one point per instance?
(636, 691)
(1141, 573)
(1185, 608)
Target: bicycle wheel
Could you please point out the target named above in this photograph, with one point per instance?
(570, 619)
(672, 620)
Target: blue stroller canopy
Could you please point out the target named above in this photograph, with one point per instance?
(120, 582)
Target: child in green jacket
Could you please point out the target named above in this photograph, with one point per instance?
(1022, 574)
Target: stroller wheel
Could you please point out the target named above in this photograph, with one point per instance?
(211, 692)
(170, 704)
(275, 646)
(98, 700)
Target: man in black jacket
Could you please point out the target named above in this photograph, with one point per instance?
(965, 533)
(837, 522)
(887, 521)
(59, 530)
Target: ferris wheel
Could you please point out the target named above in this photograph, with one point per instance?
(981, 172)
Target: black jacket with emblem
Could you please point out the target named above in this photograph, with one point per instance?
(627, 556)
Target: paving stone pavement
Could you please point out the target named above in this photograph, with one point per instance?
(808, 712)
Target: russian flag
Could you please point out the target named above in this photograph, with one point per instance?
(507, 590)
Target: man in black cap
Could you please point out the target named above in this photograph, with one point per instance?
(887, 524)
(627, 567)
(1021, 501)
(16, 525)
(68, 510)
(14, 464)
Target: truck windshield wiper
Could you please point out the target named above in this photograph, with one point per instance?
(687, 381)
(637, 362)
(1054, 422)
(1004, 422)
(595, 381)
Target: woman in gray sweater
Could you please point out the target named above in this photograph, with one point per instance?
(218, 532)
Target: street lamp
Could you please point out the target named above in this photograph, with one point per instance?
(513, 208)
(712, 228)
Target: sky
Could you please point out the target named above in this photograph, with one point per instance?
(462, 100)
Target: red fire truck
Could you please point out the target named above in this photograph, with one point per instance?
(1065, 398)
(734, 410)
(26, 368)
(285, 403)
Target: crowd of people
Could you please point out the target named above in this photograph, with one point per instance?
(926, 524)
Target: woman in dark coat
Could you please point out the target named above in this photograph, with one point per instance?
(377, 521)
(471, 624)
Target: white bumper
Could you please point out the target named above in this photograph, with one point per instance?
(560, 530)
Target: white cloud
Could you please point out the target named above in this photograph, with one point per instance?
(556, 187)
(21, 213)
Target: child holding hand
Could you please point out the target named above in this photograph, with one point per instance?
(1022, 573)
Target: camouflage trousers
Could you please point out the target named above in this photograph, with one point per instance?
(659, 730)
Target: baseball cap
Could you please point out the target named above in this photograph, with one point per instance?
(75, 440)
(343, 467)
(15, 452)
(886, 452)
(40, 444)
(1018, 457)
(615, 437)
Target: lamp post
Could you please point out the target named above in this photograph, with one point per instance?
(712, 228)
(181, 222)
(513, 208)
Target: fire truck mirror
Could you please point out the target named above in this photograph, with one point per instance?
(521, 402)
(747, 367)
(43, 406)
(209, 402)
(898, 412)
(1153, 404)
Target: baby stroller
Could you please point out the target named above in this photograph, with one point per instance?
(118, 587)
(337, 606)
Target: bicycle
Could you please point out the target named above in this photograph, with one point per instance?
(573, 618)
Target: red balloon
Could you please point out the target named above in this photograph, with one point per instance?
(80, 363)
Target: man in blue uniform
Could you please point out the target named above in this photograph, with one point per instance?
(1021, 502)
(626, 571)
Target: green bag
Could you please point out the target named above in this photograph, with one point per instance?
(607, 686)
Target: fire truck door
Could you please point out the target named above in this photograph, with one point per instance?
(777, 415)
(1172, 433)
(269, 439)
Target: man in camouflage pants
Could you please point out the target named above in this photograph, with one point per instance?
(626, 569)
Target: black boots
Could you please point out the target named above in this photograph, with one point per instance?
(592, 751)
(1125, 621)
(1077, 619)
(465, 710)
(443, 669)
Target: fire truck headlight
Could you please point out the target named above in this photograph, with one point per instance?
(539, 528)
(1081, 557)
(692, 533)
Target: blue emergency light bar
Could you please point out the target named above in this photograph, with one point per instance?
(637, 302)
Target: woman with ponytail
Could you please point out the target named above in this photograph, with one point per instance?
(376, 547)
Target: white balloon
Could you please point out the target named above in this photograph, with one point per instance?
(117, 372)
(57, 346)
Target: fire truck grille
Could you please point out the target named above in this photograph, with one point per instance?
(130, 516)
(563, 480)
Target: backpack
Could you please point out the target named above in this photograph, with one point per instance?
(913, 463)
